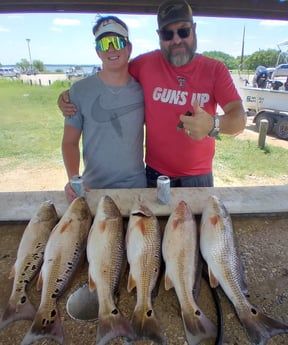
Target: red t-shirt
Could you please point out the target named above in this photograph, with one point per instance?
(170, 91)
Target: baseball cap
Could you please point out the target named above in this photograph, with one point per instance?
(110, 26)
(172, 11)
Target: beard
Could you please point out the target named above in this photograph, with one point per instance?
(180, 59)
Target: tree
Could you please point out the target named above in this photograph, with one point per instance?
(39, 65)
(227, 59)
(267, 58)
(23, 65)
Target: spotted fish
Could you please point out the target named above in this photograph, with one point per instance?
(180, 248)
(105, 253)
(219, 250)
(143, 244)
(28, 263)
(65, 248)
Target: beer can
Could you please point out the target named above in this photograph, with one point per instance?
(77, 184)
(163, 189)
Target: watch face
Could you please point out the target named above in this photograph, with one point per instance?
(214, 133)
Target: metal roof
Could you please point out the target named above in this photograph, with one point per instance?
(265, 9)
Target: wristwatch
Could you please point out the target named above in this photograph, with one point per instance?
(215, 130)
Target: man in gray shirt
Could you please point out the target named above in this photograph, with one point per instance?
(110, 117)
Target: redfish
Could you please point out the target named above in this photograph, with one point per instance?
(218, 247)
(28, 263)
(180, 248)
(105, 253)
(143, 245)
(64, 250)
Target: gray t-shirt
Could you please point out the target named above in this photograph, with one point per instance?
(111, 120)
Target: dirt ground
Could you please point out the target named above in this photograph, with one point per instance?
(27, 178)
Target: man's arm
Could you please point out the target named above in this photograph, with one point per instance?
(68, 109)
(71, 157)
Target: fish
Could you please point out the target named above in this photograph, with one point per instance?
(105, 254)
(180, 250)
(28, 263)
(65, 248)
(219, 250)
(143, 248)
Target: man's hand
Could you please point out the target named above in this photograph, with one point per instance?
(70, 193)
(68, 109)
(199, 124)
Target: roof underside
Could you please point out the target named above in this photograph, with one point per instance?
(261, 9)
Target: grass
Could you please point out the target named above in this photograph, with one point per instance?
(31, 123)
(240, 159)
(32, 127)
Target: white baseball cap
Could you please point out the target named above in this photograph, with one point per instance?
(110, 26)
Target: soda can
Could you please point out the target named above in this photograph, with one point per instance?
(77, 184)
(163, 189)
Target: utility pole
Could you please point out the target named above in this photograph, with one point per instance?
(30, 59)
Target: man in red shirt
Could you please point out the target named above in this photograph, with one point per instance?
(177, 81)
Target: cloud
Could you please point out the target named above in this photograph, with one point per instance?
(3, 29)
(66, 22)
(273, 23)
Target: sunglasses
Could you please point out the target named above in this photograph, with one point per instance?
(117, 42)
(167, 35)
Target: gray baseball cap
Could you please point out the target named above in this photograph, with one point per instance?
(172, 11)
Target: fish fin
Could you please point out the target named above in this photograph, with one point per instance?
(12, 273)
(147, 326)
(260, 327)
(65, 225)
(113, 326)
(168, 282)
(197, 327)
(45, 328)
(92, 284)
(131, 283)
(214, 220)
(39, 282)
(212, 279)
(13, 312)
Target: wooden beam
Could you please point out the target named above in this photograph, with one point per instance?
(264, 9)
(266, 200)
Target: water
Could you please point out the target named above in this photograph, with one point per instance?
(53, 68)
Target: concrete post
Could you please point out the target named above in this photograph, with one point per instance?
(262, 133)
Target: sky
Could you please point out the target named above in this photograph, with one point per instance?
(65, 38)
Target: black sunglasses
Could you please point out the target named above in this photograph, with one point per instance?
(167, 35)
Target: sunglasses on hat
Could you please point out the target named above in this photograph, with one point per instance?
(117, 42)
(167, 35)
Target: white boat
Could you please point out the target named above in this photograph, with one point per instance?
(256, 99)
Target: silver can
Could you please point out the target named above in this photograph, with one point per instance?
(163, 189)
(77, 184)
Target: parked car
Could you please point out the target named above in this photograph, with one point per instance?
(75, 72)
(280, 71)
(31, 71)
(9, 72)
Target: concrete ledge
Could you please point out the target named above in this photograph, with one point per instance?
(264, 200)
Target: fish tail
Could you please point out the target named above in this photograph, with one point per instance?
(45, 327)
(112, 326)
(197, 326)
(146, 325)
(260, 327)
(14, 312)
